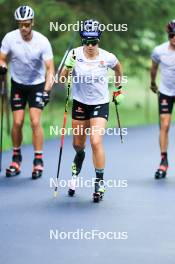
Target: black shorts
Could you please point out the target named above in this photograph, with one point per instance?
(22, 94)
(82, 111)
(166, 104)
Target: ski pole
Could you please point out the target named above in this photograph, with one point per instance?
(158, 94)
(64, 125)
(65, 55)
(63, 59)
(2, 116)
(118, 119)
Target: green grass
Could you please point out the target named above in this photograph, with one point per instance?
(138, 108)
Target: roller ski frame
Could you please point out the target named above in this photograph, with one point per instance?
(97, 197)
(13, 170)
(162, 171)
(37, 169)
(99, 192)
(15, 166)
(160, 174)
(71, 190)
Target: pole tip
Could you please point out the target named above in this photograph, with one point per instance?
(55, 194)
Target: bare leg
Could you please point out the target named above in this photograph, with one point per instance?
(35, 117)
(18, 120)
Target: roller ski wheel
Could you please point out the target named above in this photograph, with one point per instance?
(98, 196)
(71, 192)
(13, 170)
(36, 174)
(162, 171)
(160, 174)
(37, 169)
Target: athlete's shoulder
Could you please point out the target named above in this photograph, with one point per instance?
(39, 36)
(12, 34)
(106, 53)
(162, 47)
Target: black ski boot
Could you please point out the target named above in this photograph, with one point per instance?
(162, 170)
(99, 190)
(37, 168)
(15, 166)
(76, 168)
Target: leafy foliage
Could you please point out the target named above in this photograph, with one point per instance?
(145, 20)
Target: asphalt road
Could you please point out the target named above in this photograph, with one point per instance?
(143, 213)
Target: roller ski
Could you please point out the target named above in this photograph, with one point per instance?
(15, 166)
(72, 185)
(162, 170)
(37, 168)
(76, 168)
(99, 191)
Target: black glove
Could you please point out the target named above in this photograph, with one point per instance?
(154, 87)
(3, 70)
(46, 97)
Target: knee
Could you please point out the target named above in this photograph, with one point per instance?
(35, 124)
(95, 143)
(17, 124)
(78, 146)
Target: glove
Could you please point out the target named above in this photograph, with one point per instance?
(70, 62)
(154, 87)
(3, 70)
(118, 95)
(46, 97)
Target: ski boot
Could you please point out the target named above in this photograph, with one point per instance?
(77, 163)
(15, 166)
(72, 185)
(76, 168)
(162, 170)
(99, 191)
(37, 168)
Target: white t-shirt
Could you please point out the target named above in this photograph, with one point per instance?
(90, 85)
(165, 56)
(27, 57)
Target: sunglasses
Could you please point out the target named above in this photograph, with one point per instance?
(171, 35)
(26, 25)
(88, 42)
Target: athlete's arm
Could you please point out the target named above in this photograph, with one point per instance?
(154, 69)
(3, 60)
(50, 72)
(63, 74)
(118, 74)
(69, 64)
(153, 73)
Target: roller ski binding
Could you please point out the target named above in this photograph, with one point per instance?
(15, 166)
(162, 171)
(37, 168)
(76, 168)
(99, 191)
